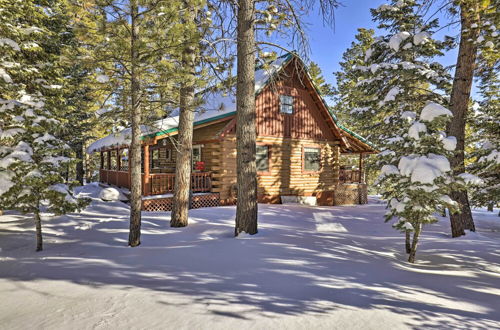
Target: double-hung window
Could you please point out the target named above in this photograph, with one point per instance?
(262, 158)
(312, 159)
(286, 104)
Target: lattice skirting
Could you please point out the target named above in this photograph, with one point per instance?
(349, 194)
(165, 204)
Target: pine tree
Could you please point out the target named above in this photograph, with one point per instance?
(485, 159)
(348, 98)
(271, 16)
(190, 56)
(405, 102)
(136, 48)
(325, 89)
(487, 156)
(32, 158)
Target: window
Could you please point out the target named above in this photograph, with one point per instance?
(114, 160)
(123, 159)
(286, 104)
(196, 155)
(312, 157)
(159, 156)
(155, 158)
(262, 158)
(104, 160)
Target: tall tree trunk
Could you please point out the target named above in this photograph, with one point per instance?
(80, 156)
(179, 217)
(413, 250)
(38, 227)
(246, 204)
(134, 238)
(408, 241)
(459, 103)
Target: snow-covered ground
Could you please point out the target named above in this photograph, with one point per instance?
(309, 267)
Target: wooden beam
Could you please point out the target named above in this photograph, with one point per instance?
(147, 189)
(118, 160)
(361, 167)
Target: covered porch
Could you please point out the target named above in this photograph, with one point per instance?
(114, 170)
(352, 187)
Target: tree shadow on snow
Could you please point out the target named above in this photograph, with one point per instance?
(304, 261)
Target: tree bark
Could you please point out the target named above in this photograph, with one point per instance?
(413, 250)
(408, 241)
(38, 228)
(179, 216)
(490, 207)
(80, 156)
(459, 103)
(134, 238)
(246, 204)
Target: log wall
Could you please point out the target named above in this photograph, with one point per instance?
(286, 175)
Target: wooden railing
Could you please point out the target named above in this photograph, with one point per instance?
(349, 176)
(158, 183)
(163, 183)
(117, 178)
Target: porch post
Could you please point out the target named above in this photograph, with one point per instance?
(101, 167)
(109, 160)
(147, 189)
(118, 160)
(336, 164)
(361, 167)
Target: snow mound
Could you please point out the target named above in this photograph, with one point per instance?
(112, 194)
(433, 110)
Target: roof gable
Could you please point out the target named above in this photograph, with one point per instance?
(219, 106)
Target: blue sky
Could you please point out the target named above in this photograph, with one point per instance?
(327, 45)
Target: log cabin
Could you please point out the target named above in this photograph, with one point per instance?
(298, 152)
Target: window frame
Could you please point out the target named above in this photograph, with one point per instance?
(193, 162)
(268, 146)
(282, 103)
(304, 170)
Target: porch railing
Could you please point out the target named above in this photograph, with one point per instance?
(159, 183)
(163, 183)
(117, 178)
(349, 176)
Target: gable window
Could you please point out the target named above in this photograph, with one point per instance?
(262, 158)
(286, 104)
(312, 159)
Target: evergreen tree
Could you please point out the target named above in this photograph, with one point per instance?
(405, 93)
(132, 44)
(485, 159)
(348, 98)
(487, 156)
(282, 16)
(319, 81)
(32, 158)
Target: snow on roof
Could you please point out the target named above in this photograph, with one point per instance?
(215, 105)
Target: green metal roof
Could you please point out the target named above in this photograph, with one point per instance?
(199, 122)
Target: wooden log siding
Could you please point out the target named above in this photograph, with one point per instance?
(285, 176)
